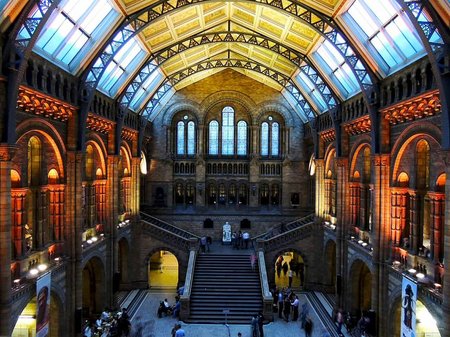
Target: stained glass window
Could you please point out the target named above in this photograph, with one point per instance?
(73, 30)
(191, 138)
(180, 138)
(386, 32)
(228, 131)
(275, 139)
(242, 138)
(214, 138)
(264, 139)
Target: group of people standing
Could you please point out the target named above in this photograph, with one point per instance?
(240, 240)
(287, 304)
(289, 268)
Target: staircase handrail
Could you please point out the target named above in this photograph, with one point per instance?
(168, 227)
(265, 290)
(285, 227)
(185, 298)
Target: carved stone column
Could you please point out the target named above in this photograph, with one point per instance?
(72, 235)
(381, 238)
(342, 202)
(320, 188)
(414, 219)
(135, 186)
(445, 331)
(112, 216)
(437, 202)
(6, 154)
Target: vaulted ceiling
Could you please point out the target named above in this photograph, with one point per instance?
(275, 42)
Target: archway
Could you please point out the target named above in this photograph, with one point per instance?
(163, 270)
(284, 264)
(361, 287)
(330, 262)
(123, 260)
(94, 287)
(26, 322)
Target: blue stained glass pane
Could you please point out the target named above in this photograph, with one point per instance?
(264, 139)
(214, 138)
(275, 139)
(242, 139)
(180, 138)
(191, 138)
(227, 131)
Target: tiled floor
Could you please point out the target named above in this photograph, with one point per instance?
(161, 327)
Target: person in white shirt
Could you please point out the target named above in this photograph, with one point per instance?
(295, 303)
(246, 238)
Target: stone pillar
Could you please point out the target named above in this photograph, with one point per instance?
(445, 328)
(135, 186)
(200, 140)
(437, 202)
(320, 188)
(414, 218)
(380, 235)
(18, 221)
(342, 202)
(72, 234)
(112, 216)
(6, 154)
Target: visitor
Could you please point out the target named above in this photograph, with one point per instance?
(203, 242)
(260, 324)
(280, 303)
(308, 327)
(254, 326)
(253, 260)
(176, 309)
(290, 275)
(295, 303)
(179, 332)
(246, 238)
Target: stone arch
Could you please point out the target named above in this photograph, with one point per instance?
(171, 251)
(124, 249)
(94, 285)
(187, 105)
(227, 96)
(360, 286)
(57, 305)
(127, 160)
(270, 264)
(50, 134)
(362, 142)
(411, 133)
(275, 106)
(100, 149)
(329, 157)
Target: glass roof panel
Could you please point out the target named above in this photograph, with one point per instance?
(146, 89)
(384, 29)
(310, 90)
(122, 66)
(73, 29)
(333, 64)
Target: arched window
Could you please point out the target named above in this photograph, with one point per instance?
(34, 161)
(180, 138)
(228, 131)
(214, 138)
(270, 138)
(191, 138)
(275, 139)
(242, 138)
(264, 139)
(185, 137)
(423, 168)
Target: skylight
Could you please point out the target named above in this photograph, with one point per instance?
(146, 89)
(311, 90)
(333, 64)
(73, 29)
(124, 63)
(385, 31)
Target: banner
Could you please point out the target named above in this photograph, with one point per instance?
(43, 305)
(408, 315)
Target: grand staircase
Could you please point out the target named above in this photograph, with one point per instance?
(225, 285)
